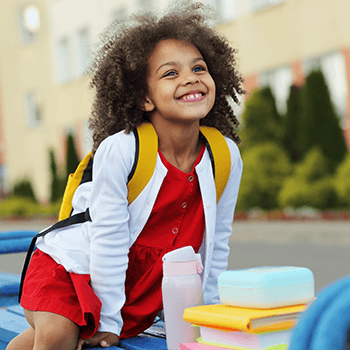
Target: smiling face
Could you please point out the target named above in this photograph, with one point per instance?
(180, 88)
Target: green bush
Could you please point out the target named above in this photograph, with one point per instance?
(18, 206)
(297, 193)
(24, 188)
(265, 168)
(313, 167)
(310, 185)
(342, 182)
(25, 207)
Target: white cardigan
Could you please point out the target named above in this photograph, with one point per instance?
(101, 247)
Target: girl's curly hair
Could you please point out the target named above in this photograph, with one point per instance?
(121, 67)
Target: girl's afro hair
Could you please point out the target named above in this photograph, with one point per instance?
(121, 66)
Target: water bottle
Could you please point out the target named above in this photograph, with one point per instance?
(181, 288)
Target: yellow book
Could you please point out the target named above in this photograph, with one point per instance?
(229, 318)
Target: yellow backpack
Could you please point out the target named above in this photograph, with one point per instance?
(145, 162)
(146, 149)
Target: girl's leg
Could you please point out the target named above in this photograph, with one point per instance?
(24, 341)
(52, 331)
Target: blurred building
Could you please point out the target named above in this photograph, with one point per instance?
(45, 50)
(26, 92)
(280, 41)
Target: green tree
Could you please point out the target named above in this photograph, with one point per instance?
(319, 125)
(72, 159)
(24, 188)
(261, 121)
(292, 124)
(57, 184)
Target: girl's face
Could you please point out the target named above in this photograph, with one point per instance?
(181, 90)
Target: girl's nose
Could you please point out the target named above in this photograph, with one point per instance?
(191, 78)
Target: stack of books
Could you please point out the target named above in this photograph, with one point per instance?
(260, 308)
(228, 327)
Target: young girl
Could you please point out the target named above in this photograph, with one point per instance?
(90, 284)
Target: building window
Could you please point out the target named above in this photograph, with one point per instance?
(258, 5)
(4, 185)
(29, 24)
(333, 66)
(83, 50)
(33, 109)
(279, 80)
(64, 73)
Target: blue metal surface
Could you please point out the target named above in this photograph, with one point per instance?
(9, 284)
(13, 322)
(17, 234)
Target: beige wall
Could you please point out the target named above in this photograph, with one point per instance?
(28, 67)
(289, 32)
(24, 68)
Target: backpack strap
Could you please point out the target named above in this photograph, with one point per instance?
(145, 160)
(220, 157)
(74, 180)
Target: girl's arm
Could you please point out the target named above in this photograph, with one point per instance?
(109, 231)
(223, 231)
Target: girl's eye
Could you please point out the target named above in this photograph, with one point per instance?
(170, 73)
(199, 69)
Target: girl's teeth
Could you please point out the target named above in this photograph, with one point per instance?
(192, 96)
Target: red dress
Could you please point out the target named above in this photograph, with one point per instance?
(176, 220)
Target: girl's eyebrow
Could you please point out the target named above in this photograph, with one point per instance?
(174, 63)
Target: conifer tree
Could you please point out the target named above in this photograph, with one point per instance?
(261, 121)
(319, 122)
(72, 159)
(292, 124)
(56, 186)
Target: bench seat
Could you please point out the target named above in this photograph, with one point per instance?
(13, 322)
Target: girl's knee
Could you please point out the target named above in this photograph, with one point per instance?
(54, 331)
(24, 341)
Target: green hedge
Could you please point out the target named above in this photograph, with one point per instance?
(310, 185)
(25, 207)
(265, 168)
(342, 182)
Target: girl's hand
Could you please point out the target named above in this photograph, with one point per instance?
(104, 339)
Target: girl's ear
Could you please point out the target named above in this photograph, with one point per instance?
(148, 105)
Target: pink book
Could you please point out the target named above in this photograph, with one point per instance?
(198, 346)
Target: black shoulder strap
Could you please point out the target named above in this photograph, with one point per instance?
(72, 220)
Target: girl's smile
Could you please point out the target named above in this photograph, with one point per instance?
(180, 87)
(192, 96)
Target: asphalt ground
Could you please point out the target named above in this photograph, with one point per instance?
(321, 246)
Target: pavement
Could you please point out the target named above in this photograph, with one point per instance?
(320, 232)
(321, 245)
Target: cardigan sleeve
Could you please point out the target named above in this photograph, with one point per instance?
(109, 231)
(223, 226)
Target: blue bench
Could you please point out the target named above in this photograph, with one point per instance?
(13, 322)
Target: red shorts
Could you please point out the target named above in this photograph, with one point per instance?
(49, 287)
